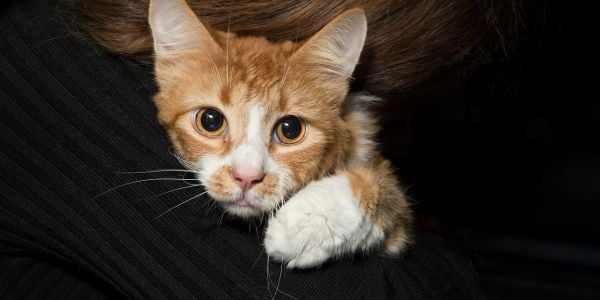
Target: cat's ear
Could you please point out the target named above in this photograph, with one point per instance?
(336, 48)
(175, 28)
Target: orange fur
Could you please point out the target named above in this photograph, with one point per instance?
(256, 68)
(268, 187)
(380, 195)
(307, 79)
(221, 183)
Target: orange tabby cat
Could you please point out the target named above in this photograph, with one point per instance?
(270, 127)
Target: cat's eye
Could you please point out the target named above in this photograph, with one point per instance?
(289, 130)
(210, 122)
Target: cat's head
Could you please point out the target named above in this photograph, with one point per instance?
(258, 120)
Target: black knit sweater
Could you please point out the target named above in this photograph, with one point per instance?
(72, 119)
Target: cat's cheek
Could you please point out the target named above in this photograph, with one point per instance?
(221, 185)
(275, 186)
(268, 194)
(269, 187)
(303, 162)
(213, 175)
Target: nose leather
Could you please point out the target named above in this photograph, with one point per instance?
(247, 178)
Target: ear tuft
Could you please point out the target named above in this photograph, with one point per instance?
(336, 48)
(176, 28)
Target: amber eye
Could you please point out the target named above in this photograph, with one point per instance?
(210, 122)
(289, 130)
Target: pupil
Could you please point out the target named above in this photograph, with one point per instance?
(291, 127)
(211, 120)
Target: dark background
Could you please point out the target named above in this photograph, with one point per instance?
(509, 166)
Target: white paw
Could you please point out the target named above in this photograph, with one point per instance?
(321, 221)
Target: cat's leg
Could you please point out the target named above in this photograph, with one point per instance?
(358, 209)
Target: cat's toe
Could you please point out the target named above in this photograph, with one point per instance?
(309, 259)
(277, 241)
(301, 239)
(297, 251)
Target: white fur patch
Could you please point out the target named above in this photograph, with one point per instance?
(252, 154)
(254, 130)
(321, 221)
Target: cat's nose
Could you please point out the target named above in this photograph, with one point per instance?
(247, 178)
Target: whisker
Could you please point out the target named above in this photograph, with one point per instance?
(256, 229)
(220, 221)
(257, 260)
(227, 48)
(270, 282)
(171, 191)
(159, 171)
(185, 163)
(217, 71)
(269, 277)
(278, 280)
(141, 181)
(182, 161)
(180, 204)
(285, 73)
(211, 205)
(288, 295)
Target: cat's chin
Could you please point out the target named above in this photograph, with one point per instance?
(246, 206)
(243, 210)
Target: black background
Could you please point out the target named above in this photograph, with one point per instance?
(510, 164)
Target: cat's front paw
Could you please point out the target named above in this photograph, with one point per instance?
(299, 241)
(321, 221)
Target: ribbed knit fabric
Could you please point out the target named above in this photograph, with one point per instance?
(73, 119)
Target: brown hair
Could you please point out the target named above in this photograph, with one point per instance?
(409, 42)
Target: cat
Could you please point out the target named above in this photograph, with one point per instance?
(270, 128)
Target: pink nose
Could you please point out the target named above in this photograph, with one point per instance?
(247, 178)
